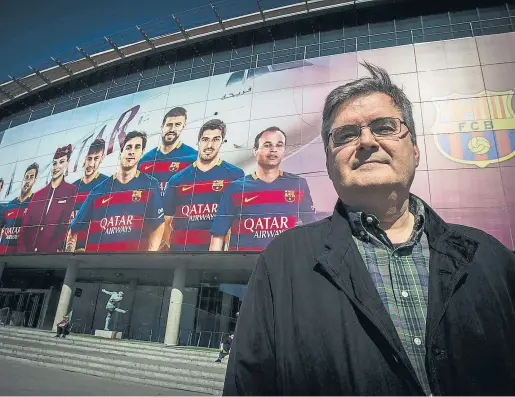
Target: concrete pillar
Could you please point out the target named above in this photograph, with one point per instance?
(66, 293)
(225, 319)
(2, 267)
(174, 310)
(133, 285)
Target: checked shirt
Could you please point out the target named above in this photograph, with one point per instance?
(400, 273)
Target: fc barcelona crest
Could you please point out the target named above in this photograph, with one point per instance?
(136, 196)
(476, 129)
(218, 185)
(174, 166)
(289, 196)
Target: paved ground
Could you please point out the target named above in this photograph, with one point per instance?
(24, 379)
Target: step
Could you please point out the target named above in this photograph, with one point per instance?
(111, 366)
(119, 342)
(139, 350)
(62, 348)
(117, 376)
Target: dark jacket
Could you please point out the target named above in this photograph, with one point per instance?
(312, 321)
(44, 231)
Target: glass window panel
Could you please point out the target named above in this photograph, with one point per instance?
(382, 40)
(147, 84)
(21, 119)
(222, 56)
(497, 29)
(64, 106)
(288, 58)
(331, 51)
(381, 27)
(406, 25)
(183, 64)
(435, 20)
(308, 38)
(182, 78)
(92, 98)
(242, 51)
(289, 42)
(464, 16)
(164, 80)
(499, 11)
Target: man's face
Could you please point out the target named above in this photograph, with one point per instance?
(28, 181)
(210, 144)
(59, 167)
(1, 186)
(92, 163)
(368, 162)
(270, 151)
(171, 129)
(131, 153)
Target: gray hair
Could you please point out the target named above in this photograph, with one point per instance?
(378, 82)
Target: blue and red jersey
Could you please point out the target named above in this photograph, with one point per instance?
(192, 198)
(83, 190)
(120, 217)
(163, 166)
(256, 211)
(11, 218)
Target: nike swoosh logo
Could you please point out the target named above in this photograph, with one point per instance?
(148, 166)
(249, 199)
(10, 213)
(106, 200)
(185, 188)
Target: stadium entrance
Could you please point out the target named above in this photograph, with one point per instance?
(177, 299)
(23, 308)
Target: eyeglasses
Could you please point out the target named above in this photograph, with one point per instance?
(381, 128)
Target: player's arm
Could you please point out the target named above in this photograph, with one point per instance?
(22, 237)
(307, 211)
(220, 228)
(217, 243)
(169, 211)
(80, 222)
(155, 237)
(71, 241)
(154, 214)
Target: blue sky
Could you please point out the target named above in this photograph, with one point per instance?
(33, 31)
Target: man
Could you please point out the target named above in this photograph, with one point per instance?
(123, 213)
(46, 221)
(225, 348)
(192, 195)
(1, 184)
(63, 327)
(256, 208)
(11, 215)
(91, 178)
(171, 156)
(383, 297)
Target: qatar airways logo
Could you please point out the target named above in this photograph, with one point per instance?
(199, 212)
(10, 233)
(267, 227)
(117, 224)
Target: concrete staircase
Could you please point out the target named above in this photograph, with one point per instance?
(132, 361)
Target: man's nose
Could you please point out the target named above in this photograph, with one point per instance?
(366, 140)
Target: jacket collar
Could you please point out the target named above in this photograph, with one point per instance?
(441, 238)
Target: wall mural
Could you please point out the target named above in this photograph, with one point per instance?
(231, 161)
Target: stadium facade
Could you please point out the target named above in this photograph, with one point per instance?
(139, 167)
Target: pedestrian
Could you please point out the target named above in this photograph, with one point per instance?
(383, 297)
(63, 327)
(225, 348)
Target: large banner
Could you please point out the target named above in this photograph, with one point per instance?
(231, 161)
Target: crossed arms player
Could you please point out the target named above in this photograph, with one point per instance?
(123, 213)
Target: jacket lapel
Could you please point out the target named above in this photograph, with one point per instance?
(342, 263)
(450, 256)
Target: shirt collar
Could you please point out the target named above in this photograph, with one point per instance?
(176, 145)
(256, 177)
(219, 162)
(363, 225)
